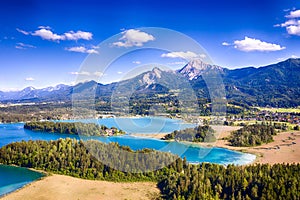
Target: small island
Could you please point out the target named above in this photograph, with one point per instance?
(73, 128)
(197, 134)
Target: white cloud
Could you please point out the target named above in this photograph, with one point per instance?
(137, 62)
(21, 45)
(46, 33)
(29, 79)
(82, 49)
(120, 72)
(225, 44)
(78, 35)
(177, 63)
(294, 29)
(81, 73)
(288, 23)
(85, 73)
(251, 44)
(22, 31)
(133, 37)
(98, 73)
(91, 51)
(45, 27)
(292, 25)
(182, 54)
(293, 14)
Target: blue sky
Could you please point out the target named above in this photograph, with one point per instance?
(44, 43)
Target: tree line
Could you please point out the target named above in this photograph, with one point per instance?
(211, 181)
(178, 180)
(87, 159)
(88, 129)
(198, 134)
(252, 135)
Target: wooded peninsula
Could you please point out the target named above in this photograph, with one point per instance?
(75, 128)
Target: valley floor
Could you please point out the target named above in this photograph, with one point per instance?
(56, 187)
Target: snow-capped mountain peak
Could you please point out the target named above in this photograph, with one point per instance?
(197, 67)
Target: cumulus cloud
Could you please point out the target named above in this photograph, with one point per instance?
(29, 79)
(294, 29)
(136, 62)
(82, 49)
(251, 44)
(21, 45)
(78, 35)
(46, 33)
(132, 38)
(292, 25)
(182, 54)
(293, 14)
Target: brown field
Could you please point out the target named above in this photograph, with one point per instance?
(56, 187)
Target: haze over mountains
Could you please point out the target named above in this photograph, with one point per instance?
(276, 85)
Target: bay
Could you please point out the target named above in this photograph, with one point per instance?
(13, 178)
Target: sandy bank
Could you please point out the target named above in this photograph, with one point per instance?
(56, 187)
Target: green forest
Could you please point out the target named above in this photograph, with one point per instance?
(178, 180)
(76, 128)
(197, 134)
(252, 135)
(82, 159)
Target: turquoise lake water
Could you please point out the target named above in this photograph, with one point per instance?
(147, 125)
(194, 154)
(13, 178)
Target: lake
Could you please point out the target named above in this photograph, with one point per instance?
(13, 178)
(147, 125)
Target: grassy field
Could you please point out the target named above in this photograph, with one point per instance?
(237, 123)
(289, 110)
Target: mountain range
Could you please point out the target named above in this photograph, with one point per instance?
(276, 85)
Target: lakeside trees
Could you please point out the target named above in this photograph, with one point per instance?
(72, 157)
(88, 129)
(197, 134)
(252, 135)
(210, 181)
(179, 180)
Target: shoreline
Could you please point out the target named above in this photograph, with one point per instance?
(284, 149)
(68, 188)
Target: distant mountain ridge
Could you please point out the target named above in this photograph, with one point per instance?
(276, 85)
